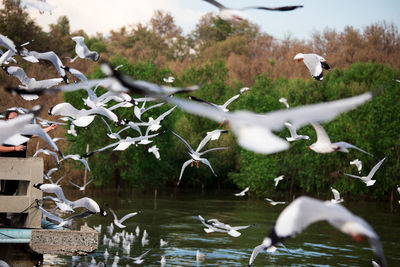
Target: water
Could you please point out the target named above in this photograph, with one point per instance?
(173, 217)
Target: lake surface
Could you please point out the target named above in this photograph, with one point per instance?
(173, 217)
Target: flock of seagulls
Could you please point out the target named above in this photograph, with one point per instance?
(254, 132)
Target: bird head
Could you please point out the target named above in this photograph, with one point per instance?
(103, 212)
(38, 185)
(299, 57)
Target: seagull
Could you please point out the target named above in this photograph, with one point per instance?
(305, 210)
(294, 136)
(106, 255)
(357, 163)
(145, 241)
(83, 187)
(278, 179)
(154, 150)
(200, 256)
(139, 260)
(163, 261)
(120, 221)
(170, 79)
(49, 173)
(83, 117)
(88, 204)
(213, 225)
(324, 145)
(111, 134)
(237, 14)
(284, 101)
(242, 193)
(255, 131)
(196, 155)
(60, 204)
(82, 50)
(139, 111)
(9, 128)
(336, 196)
(314, 63)
(76, 157)
(224, 106)
(274, 203)
(48, 153)
(163, 243)
(368, 179)
(76, 73)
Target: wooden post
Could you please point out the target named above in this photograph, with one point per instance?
(86, 172)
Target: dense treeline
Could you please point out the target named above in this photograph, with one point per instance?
(224, 57)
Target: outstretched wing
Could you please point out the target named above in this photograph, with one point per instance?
(347, 145)
(183, 141)
(127, 216)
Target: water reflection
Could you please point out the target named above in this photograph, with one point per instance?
(174, 219)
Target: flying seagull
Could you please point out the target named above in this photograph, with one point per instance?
(357, 163)
(83, 187)
(274, 203)
(305, 211)
(196, 155)
(242, 193)
(284, 101)
(82, 50)
(120, 221)
(237, 14)
(293, 133)
(324, 145)
(314, 63)
(336, 196)
(278, 179)
(368, 179)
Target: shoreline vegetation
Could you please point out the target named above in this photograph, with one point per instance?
(223, 58)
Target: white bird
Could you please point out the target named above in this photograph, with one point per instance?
(314, 63)
(40, 5)
(137, 231)
(170, 79)
(154, 150)
(76, 157)
(60, 204)
(242, 193)
(213, 225)
(254, 131)
(15, 126)
(196, 155)
(336, 196)
(82, 50)
(323, 144)
(305, 211)
(83, 187)
(48, 153)
(223, 107)
(72, 130)
(200, 256)
(145, 241)
(106, 255)
(47, 176)
(163, 261)
(163, 243)
(97, 228)
(76, 73)
(357, 163)
(4, 264)
(294, 136)
(119, 222)
(284, 101)
(83, 117)
(274, 203)
(278, 179)
(368, 179)
(53, 58)
(237, 14)
(88, 204)
(139, 111)
(139, 260)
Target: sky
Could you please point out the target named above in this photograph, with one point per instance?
(104, 15)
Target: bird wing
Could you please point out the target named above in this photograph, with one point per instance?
(336, 194)
(113, 213)
(229, 101)
(281, 8)
(165, 114)
(255, 252)
(73, 184)
(215, 3)
(11, 127)
(292, 130)
(108, 126)
(213, 149)
(205, 140)
(346, 145)
(91, 180)
(153, 106)
(32, 129)
(375, 168)
(127, 216)
(313, 64)
(185, 164)
(103, 111)
(202, 101)
(183, 141)
(206, 162)
(50, 215)
(351, 175)
(141, 256)
(322, 136)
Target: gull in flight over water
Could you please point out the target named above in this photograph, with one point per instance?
(314, 63)
(324, 145)
(274, 203)
(83, 187)
(368, 179)
(305, 211)
(242, 193)
(196, 155)
(119, 222)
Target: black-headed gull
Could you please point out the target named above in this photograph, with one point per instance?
(242, 193)
(196, 155)
(82, 50)
(314, 63)
(293, 132)
(358, 164)
(76, 73)
(236, 14)
(336, 196)
(274, 203)
(305, 210)
(213, 225)
(119, 222)
(278, 179)
(254, 131)
(139, 260)
(368, 179)
(323, 144)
